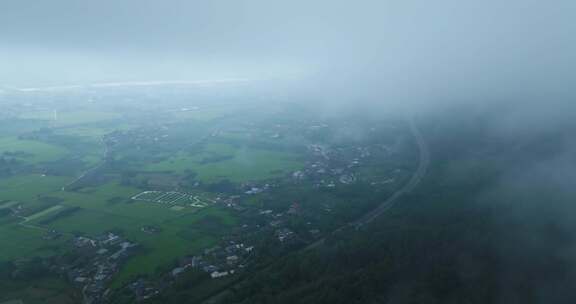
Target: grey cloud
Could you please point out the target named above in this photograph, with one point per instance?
(359, 49)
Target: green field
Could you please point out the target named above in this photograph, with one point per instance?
(179, 237)
(102, 199)
(23, 242)
(92, 222)
(32, 151)
(237, 164)
(97, 215)
(94, 131)
(71, 118)
(181, 234)
(44, 212)
(182, 231)
(105, 204)
(26, 188)
(44, 290)
(8, 204)
(205, 115)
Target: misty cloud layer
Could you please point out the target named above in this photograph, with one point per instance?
(513, 58)
(420, 48)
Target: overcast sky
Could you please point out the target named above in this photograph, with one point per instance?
(435, 44)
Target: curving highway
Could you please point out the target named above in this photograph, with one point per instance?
(417, 176)
(423, 163)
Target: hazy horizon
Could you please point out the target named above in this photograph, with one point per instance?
(258, 151)
(441, 48)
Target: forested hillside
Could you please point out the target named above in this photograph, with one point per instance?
(491, 223)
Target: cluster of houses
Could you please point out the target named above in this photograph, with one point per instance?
(143, 289)
(332, 166)
(218, 261)
(277, 222)
(328, 167)
(99, 259)
(228, 258)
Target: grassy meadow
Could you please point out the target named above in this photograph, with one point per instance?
(224, 161)
(106, 205)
